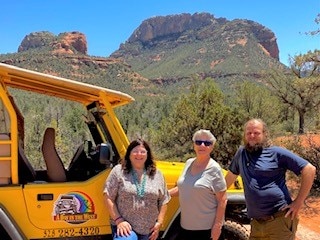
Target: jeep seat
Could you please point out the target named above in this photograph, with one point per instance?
(56, 171)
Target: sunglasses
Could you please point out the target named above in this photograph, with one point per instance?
(206, 143)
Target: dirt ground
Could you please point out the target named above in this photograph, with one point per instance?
(309, 224)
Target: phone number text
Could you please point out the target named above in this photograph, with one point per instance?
(71, 232)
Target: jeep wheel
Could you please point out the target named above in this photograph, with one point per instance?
(234, 230)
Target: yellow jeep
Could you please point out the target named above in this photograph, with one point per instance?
(66, 202)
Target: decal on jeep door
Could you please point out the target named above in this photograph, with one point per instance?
(74, 207)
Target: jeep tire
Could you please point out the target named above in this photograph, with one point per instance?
(234, 230)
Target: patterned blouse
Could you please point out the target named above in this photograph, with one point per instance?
(140, 212)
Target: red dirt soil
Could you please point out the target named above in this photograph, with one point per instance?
(306, 140)
(309, 215)
(309, 228)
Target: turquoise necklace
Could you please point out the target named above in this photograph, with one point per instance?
(139, 186)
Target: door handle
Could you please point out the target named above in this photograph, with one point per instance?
(45, 197)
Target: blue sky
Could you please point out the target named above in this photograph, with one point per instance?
(108, 23)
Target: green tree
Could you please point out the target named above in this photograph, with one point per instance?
(306, 65)
(204, 107)
(142, 117)
(301, 94)
(257, 101)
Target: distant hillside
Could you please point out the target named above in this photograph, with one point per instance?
(66, 56)
(169, 49)
(161, 59)
(162, 54)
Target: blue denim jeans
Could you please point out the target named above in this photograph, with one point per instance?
(140, 236)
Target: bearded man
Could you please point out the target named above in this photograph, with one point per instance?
(263, 167)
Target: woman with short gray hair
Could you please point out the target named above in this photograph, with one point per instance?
(202, 192)
(200, 132)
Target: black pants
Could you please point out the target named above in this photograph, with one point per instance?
(196, 234)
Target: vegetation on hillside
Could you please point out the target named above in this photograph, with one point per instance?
(182, 94)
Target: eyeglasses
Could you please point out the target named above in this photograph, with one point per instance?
(206, 143)
(142, 152)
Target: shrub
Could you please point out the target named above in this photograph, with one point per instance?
(308, 147)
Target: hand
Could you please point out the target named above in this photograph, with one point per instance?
(293, 209)
(155, 231)
(123, 229)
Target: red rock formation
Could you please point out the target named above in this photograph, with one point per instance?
(76, 40)
(69, 42)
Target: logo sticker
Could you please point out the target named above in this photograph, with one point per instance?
(74, 207)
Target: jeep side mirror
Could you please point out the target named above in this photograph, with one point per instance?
(106, 154)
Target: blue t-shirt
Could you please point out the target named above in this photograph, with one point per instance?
(264, 177)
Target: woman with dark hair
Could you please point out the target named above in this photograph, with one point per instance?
(136, 195)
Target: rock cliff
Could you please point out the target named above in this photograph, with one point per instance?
(69, 42)
(175, 29)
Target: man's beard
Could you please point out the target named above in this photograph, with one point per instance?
(255, 148)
